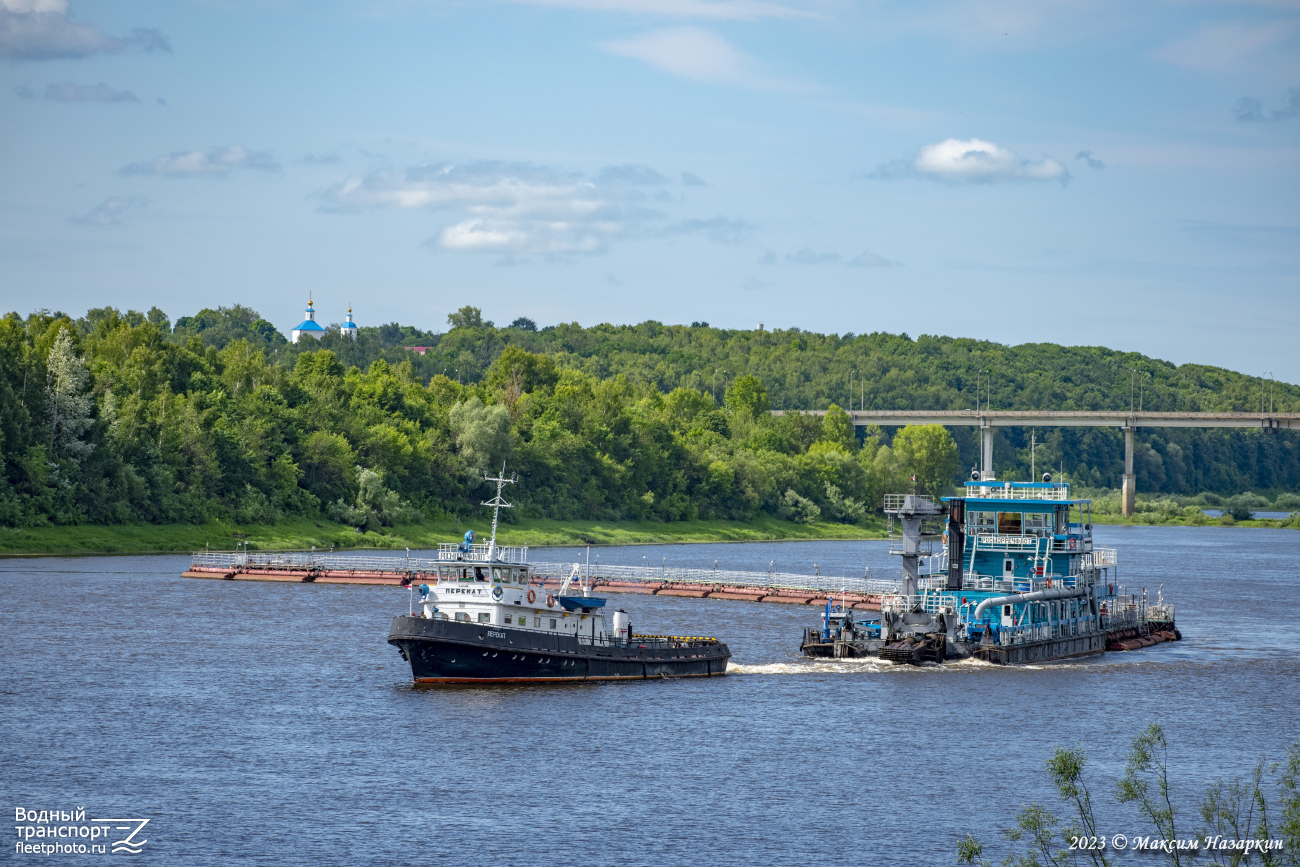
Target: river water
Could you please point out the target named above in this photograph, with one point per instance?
(271, 724)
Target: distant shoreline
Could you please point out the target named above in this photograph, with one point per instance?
(301, 534)
(1143, 519)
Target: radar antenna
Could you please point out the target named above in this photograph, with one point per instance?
(497, 505)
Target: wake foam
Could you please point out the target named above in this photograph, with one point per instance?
(851, 666)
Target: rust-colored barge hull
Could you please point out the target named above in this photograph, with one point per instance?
(402, 579)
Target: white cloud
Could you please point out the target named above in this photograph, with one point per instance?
(1251, 110)
(59, 7)
(686, 51)
(868, 259)
(697, 54)
(112, 211)
(720, 230)
(1017, 25)
(973, 161)
(524, 209)
(214, 162)
(42, 30)
(1090, 160)
(1226, 46)
(717, 10)
(808, 256)
(66, 91)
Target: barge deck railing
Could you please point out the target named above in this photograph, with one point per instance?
(312, 561)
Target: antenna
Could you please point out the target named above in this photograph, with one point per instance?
(497, 505)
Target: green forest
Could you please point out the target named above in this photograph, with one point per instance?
(127, 418)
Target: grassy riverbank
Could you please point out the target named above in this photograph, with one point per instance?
(1156, 519)
(305, 533)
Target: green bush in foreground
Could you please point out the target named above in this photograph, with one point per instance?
(1248, 820)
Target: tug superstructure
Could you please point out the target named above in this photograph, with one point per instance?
(1007, 573)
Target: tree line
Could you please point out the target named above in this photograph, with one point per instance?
(804, 370)
(124, 417)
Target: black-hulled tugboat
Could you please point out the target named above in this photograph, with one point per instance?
(485, 620)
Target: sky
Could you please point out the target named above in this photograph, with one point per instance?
(1087, 172)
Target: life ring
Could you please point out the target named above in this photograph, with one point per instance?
(532, 596)
(1071, 543)
(550, 601)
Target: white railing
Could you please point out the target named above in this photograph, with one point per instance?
(312, 561)
(1010, 491)
(1044, 631)
(307, 560)
(924, 547)
(1160, 611)
(971, 581)
(1125, 619)
(483, 553)
(758, 580)
(934, 603)
(1103, 557)
(894, 502)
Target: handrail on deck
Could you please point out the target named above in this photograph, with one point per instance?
(314, 562)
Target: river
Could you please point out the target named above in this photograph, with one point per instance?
(270, 723)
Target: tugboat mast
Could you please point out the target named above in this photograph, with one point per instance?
(497, 505)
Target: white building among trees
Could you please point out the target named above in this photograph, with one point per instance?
(309, 327)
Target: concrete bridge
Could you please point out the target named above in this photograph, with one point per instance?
(986, 420)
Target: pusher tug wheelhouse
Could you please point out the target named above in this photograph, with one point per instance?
(1007, 573)
(486, 621)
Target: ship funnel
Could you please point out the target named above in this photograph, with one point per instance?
(622, 625)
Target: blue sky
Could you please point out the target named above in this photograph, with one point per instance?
(1082, 172)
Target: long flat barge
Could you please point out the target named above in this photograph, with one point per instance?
(312, 568)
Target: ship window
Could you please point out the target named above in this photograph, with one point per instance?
(981, 522)
(523, 621)
(1009, 523)
(537, 622)
(484, 617)
(499, 574)
(552, 622)
(461, 615)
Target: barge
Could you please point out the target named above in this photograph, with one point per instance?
(1006, 573)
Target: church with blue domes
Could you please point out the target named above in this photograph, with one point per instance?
(309, 327)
